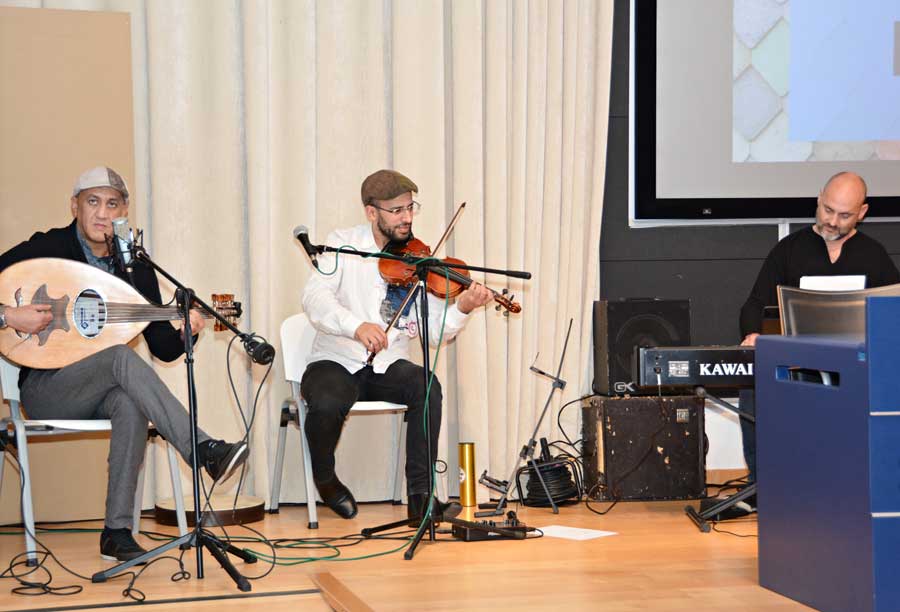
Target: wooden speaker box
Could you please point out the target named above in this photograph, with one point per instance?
(644, 448)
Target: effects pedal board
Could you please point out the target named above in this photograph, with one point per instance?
(476, 531)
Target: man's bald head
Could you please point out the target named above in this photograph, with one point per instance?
(842, 205)
(848, 181)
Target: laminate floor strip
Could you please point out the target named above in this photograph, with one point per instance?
(173, 600)
(337, 595)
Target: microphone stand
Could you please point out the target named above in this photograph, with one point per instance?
(199, 538)
(423, 266)
(527, 452)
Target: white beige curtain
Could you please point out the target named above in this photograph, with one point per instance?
(254, 116)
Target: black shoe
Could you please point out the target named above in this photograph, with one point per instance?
(439, 511)
(221, 459)
(338, 497)
(119, 545)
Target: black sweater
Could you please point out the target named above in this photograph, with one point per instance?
(804, 253)
(164, 340)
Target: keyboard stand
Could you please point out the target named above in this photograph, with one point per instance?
(703, 519)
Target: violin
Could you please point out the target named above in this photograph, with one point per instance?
(439, 284)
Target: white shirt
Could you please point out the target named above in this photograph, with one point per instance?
(338, 304)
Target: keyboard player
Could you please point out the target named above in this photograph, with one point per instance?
(833, 246)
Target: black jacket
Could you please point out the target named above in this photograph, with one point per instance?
(164, 340)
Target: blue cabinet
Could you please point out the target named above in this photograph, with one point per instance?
(829, 465)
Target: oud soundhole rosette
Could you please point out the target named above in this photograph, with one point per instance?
(89, 313)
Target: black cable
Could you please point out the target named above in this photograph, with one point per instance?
(563, 407)
(247, 426)
(559, 482)
(36, 587)
(737, 535)
(43, 587)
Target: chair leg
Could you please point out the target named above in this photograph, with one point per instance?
(138, 500)
(307, 468)
(27, 508)
(401, 462)
(278, 470)
(3, 458)
(177, 493)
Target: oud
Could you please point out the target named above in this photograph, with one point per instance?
(92, 310)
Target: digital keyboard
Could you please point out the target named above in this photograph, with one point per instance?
(694, 366)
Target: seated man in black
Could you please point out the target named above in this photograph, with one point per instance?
(832, 247)
(115, 383)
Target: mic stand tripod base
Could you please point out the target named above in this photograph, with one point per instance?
(447, 513)
(701, 519)
(368, 532)
(496, 509)
(199, 537)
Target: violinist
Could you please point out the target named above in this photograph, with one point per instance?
(350, 309)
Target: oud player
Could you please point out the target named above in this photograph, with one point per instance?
(115, 383)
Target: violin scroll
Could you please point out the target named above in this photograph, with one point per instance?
(506, 302)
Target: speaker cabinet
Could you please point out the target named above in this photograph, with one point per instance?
(644, 448)
(621, 325)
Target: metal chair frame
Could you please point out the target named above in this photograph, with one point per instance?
(297, 335)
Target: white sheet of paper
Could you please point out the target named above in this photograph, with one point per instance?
(833, 283)
(574, 533)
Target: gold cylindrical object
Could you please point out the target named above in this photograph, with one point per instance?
(467, 473)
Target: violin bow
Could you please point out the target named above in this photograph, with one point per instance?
(412, 290)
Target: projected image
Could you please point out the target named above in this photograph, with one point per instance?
(815, 80)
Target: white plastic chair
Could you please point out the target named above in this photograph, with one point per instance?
(26, 428)
(297, 335)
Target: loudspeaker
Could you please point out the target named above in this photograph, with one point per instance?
(621, 325)
(644, 448)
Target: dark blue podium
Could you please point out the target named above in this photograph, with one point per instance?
(829, 465)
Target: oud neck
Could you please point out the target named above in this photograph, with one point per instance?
(129, 313)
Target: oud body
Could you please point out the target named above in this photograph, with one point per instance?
(92, 310)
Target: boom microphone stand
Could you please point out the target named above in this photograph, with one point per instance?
(200, 538)
(527, 452)
(423, 267)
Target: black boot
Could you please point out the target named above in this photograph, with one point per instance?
(337, 497)
(439, 510)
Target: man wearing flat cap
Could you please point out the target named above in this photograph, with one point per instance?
(115, 383)
(350, 310)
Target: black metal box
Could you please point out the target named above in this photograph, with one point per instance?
(644, 448)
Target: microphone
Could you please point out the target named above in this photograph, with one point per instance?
(259, 350)
(301, 233)
(123, 239)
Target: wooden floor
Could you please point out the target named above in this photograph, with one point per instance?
(658, 561)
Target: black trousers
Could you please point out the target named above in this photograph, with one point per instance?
(329, 391)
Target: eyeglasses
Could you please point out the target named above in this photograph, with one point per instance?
(399, 210)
